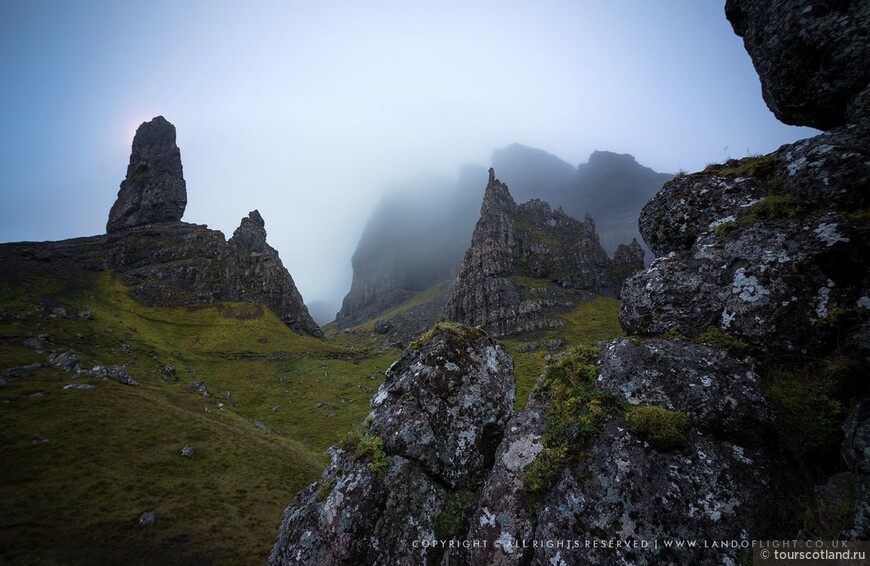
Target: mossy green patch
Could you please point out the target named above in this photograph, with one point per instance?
(774, 206)
(458, 331)
(575, 411)
(718, 338)
(662, 428)
(755, 166)
(368, 447)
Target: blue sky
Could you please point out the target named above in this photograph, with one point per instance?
(307, 110)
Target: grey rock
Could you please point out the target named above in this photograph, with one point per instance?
(154, 190)
(9, 374)
(120, 374)
(80, 386)
(198, 387)
(189, 451)
(440, 426)
(58, 312)
(530, 240)
(147, 518)
(719, 393)
(856, 453)
(229, 397)
(382, 326)
(86, 315)
(63, 360)
(690, 205)
(628, 259)
(811, 57)
(444, 404)
(771, 283)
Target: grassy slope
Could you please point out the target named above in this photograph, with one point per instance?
(113, 452)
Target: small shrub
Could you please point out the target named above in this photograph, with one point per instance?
(754, 166)
(575, 411)
(366, 447)
(664, 429)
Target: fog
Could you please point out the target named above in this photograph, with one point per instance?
(309, 111)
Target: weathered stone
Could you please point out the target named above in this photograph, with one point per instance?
(811, 56)
(690, 205)
(63, 360)
(81, 386)
(444, 404)
(198, 387)
(856, 453)
(628, 259)
(189, 451)
(382, 326)
(439, 426)
(9, 374)
(154, 190)
(147, 518)
(772, 283)
(719, 393)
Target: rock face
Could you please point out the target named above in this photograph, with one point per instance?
(515, 244)
(811, 56)
(154, 190)
(413, 244)
(166, 262)
(433, 431)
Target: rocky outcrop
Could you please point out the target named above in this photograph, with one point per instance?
(627, 260)
(512, 242)
(410, 476)
(811, 56)
(412, 244)
(166, 262)
(154, 190)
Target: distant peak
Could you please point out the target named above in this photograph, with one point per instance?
(599, 156)
(491, 175)
(251, 233)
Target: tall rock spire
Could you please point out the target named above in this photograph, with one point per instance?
(154, 190)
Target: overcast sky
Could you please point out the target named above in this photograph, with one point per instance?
(307, 110)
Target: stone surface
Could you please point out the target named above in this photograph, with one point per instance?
(811, 56)
(439, 426)
(773, 283)
(444, 404)
(154, 190)
(189, 451)
(147, 518)
(628, 259)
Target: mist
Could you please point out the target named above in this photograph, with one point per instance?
(313, 112)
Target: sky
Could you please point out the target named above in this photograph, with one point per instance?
(308, 110)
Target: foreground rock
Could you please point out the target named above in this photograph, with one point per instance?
(434, 428)
(811, 57)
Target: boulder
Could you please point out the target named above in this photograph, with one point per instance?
(811, 56)
(409, 477)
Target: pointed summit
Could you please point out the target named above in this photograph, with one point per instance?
(154, 190)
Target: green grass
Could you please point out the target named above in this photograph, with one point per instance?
(420, 298)
(772, 207)
(575, 412)
(113, 453)
(588, 323)
(754, 166)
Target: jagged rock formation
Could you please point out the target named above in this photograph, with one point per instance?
(167, 262)
(719, 485)
(435, 424)
(530, 240)
(612, 187)
(412, 244)
(154, 190)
